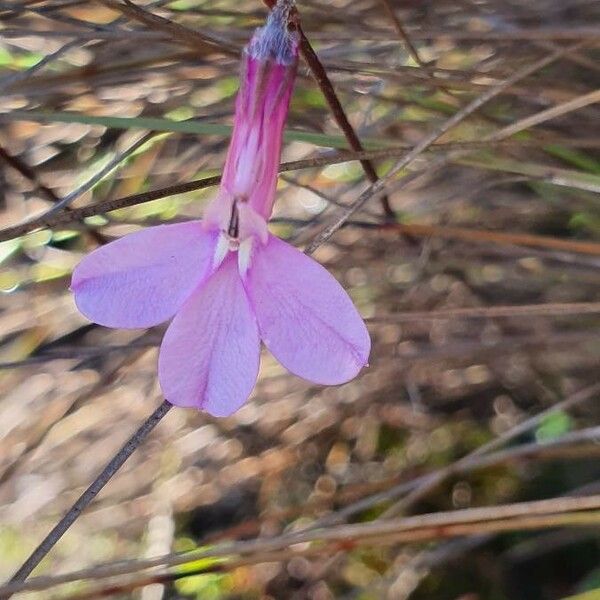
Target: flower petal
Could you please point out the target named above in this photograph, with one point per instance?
(210, 354)
(143, 278)
(305, 317)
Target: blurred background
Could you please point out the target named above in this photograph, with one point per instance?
(478, 276)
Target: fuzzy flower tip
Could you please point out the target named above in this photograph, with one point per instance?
(226, 282)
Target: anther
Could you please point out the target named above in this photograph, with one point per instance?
(234, 222)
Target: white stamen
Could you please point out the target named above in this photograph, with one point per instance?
(244, 256)
(221, 250)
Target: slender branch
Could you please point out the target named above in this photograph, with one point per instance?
(491, 312)
(413, 229)
(495, 237)
(412, 50)
(61, 211)
(468, 462)
(435, 532)
(26, 171)
(337, 110)
(202, 42)
(568, 511)
(437, 478)
(90, 493)
(550, 113)
(43, 221)
(97, 177)
(10, 80)
(99, 208)
(377, 188)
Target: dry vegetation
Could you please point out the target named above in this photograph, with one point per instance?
(477, 272)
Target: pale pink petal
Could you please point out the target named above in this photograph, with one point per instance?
(305, 317)
(210, 354)
(143, 278)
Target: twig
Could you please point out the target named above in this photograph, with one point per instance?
(469, 461)
(514, 523)
(488, 312)
(320, 75)
(177, 32)
(90, 493)
(412, 229)
(442, 475)
(26, 171)
(495, 237)
(555, 512)
(550, 113)
(377, 188)
(10, 80)
(97, 177)
(56, 215)
(78, 214)
(181, 188)
(43, 221)
(587, 33)
(218, 567)
(412, 50)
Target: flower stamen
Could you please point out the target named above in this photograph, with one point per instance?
(233, 230)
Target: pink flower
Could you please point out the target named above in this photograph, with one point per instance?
(226, 280)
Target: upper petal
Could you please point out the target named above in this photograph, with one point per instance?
(143, 278)
(210, 354)
(305, 317)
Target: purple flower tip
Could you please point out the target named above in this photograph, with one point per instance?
(274, 41)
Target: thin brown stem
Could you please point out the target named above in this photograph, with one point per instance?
(412, 50)
(378, 188)
(496, 237)
(492, 312)
(105, 206)
(463, 465)
(26, 171)
(90, 493)
(337, 110)
(573, 511)
(182, 35)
